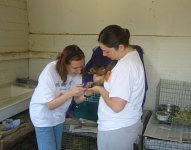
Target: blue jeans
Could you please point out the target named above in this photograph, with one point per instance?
(49, 138)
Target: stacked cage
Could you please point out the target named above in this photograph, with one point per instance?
(156, 144)
(73, 141)
(78, 141)
(82, 140)
(176, 93)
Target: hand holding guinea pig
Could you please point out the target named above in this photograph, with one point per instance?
(99, 73)
(77, 90)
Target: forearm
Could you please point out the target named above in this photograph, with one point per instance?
(105, 95)
(59, 100)
(116, 104)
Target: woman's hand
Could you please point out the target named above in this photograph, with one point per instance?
(78, 90)
(95, 89)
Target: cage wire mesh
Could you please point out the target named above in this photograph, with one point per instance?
(158, 144)
(151, 143)
(78, 142)
(82, 141)
(174, 92)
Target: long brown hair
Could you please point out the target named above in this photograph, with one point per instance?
(70, 53)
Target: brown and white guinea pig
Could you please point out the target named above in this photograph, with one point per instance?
(99, 72)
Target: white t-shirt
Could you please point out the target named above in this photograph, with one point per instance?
(127, 82)
(49, 87)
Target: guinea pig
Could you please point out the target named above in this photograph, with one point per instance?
(99, 72)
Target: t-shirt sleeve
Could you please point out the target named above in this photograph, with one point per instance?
(121, 83)
(47, 88)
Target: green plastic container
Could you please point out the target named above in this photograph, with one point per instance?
(88, 108)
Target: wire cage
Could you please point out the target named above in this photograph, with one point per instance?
(174, 92)
(182, 139)
(158, 144)
(78, 142)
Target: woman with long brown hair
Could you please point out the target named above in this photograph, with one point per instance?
(58, 83)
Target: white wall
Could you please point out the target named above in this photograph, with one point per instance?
(162, 28)
(13, 40)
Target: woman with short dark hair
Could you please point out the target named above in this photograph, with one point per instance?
(120, 104)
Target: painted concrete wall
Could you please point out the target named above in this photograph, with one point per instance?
(13, 40)
(162, 28)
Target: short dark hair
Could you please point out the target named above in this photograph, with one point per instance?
(113, 36)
